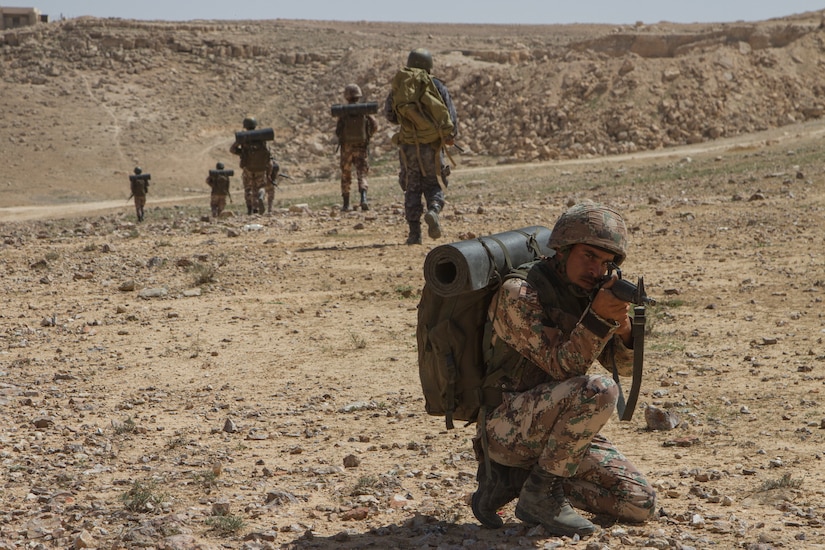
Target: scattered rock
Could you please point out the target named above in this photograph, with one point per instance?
(230, 427)
(660, 419)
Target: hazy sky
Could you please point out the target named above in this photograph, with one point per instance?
(455, 11)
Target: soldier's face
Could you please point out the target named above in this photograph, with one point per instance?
(587, 264)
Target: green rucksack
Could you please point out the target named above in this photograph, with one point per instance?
(454, 351)
(453, 333)
(421, 111)
(354, 131)
(255, 156)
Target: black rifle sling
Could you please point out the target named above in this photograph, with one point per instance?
(624, 407)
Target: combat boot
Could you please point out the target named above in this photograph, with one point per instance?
(345, 206)
(364, 205)
(433, 223)
(542, 500)
(415, 233)
(495, 491)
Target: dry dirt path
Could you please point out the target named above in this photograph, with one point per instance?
(807, 130)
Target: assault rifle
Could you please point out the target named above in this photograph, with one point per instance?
(275, 181)
(625, 290)
(635, 294)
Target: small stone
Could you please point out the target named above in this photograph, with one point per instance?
(84, 540)
(43, 422)
(229, 426)
(660, 419)
(220, 508)
(356, 514)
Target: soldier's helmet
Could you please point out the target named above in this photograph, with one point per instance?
(138, 171)
(249, 123)
(352, 92)
(420, 58)
(591, 223)
(219, 166)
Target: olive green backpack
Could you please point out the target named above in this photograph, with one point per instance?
(454, 349)
(421, 111)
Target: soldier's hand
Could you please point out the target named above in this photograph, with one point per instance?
(607, 306)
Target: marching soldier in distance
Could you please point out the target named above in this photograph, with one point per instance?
(354, 132)
(271, 182)
(218, 181)
(255, 162)
(139, 186)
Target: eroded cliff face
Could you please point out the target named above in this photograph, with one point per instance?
(87, 99)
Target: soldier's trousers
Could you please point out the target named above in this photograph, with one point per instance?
(354, 156)
(217, 203)
(252, 182)
(420, 166)
(140, 204)
(270, 195)
(556, 426)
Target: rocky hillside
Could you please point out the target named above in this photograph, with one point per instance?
(87, 99)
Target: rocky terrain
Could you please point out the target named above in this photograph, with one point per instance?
(87, 99)
(251, 382)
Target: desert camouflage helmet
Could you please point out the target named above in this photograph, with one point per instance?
(219, 166)
(352, 91)
(420, 58)
(249, 123)
(138, 171)
(594, 224)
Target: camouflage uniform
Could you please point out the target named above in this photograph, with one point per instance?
(220, 190)
(253, 184)
(271, 184)
(139, 190)
(552, 409)
(254, 181)
(429, 157)
(355, 155)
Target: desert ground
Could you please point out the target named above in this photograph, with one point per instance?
(251, 381)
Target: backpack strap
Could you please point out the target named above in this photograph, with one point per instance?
(440, 343)
(508, 262)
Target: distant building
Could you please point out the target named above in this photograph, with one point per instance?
(20, 17)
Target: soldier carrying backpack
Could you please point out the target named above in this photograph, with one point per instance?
(422, 106)
(218, 181)
(251, 146)
(516, 355)
(354, 129)
(139, 186)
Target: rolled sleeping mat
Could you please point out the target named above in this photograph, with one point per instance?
(140, 177)
(339, 110)
(229, 173)
(264, 134)
(464, 266)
